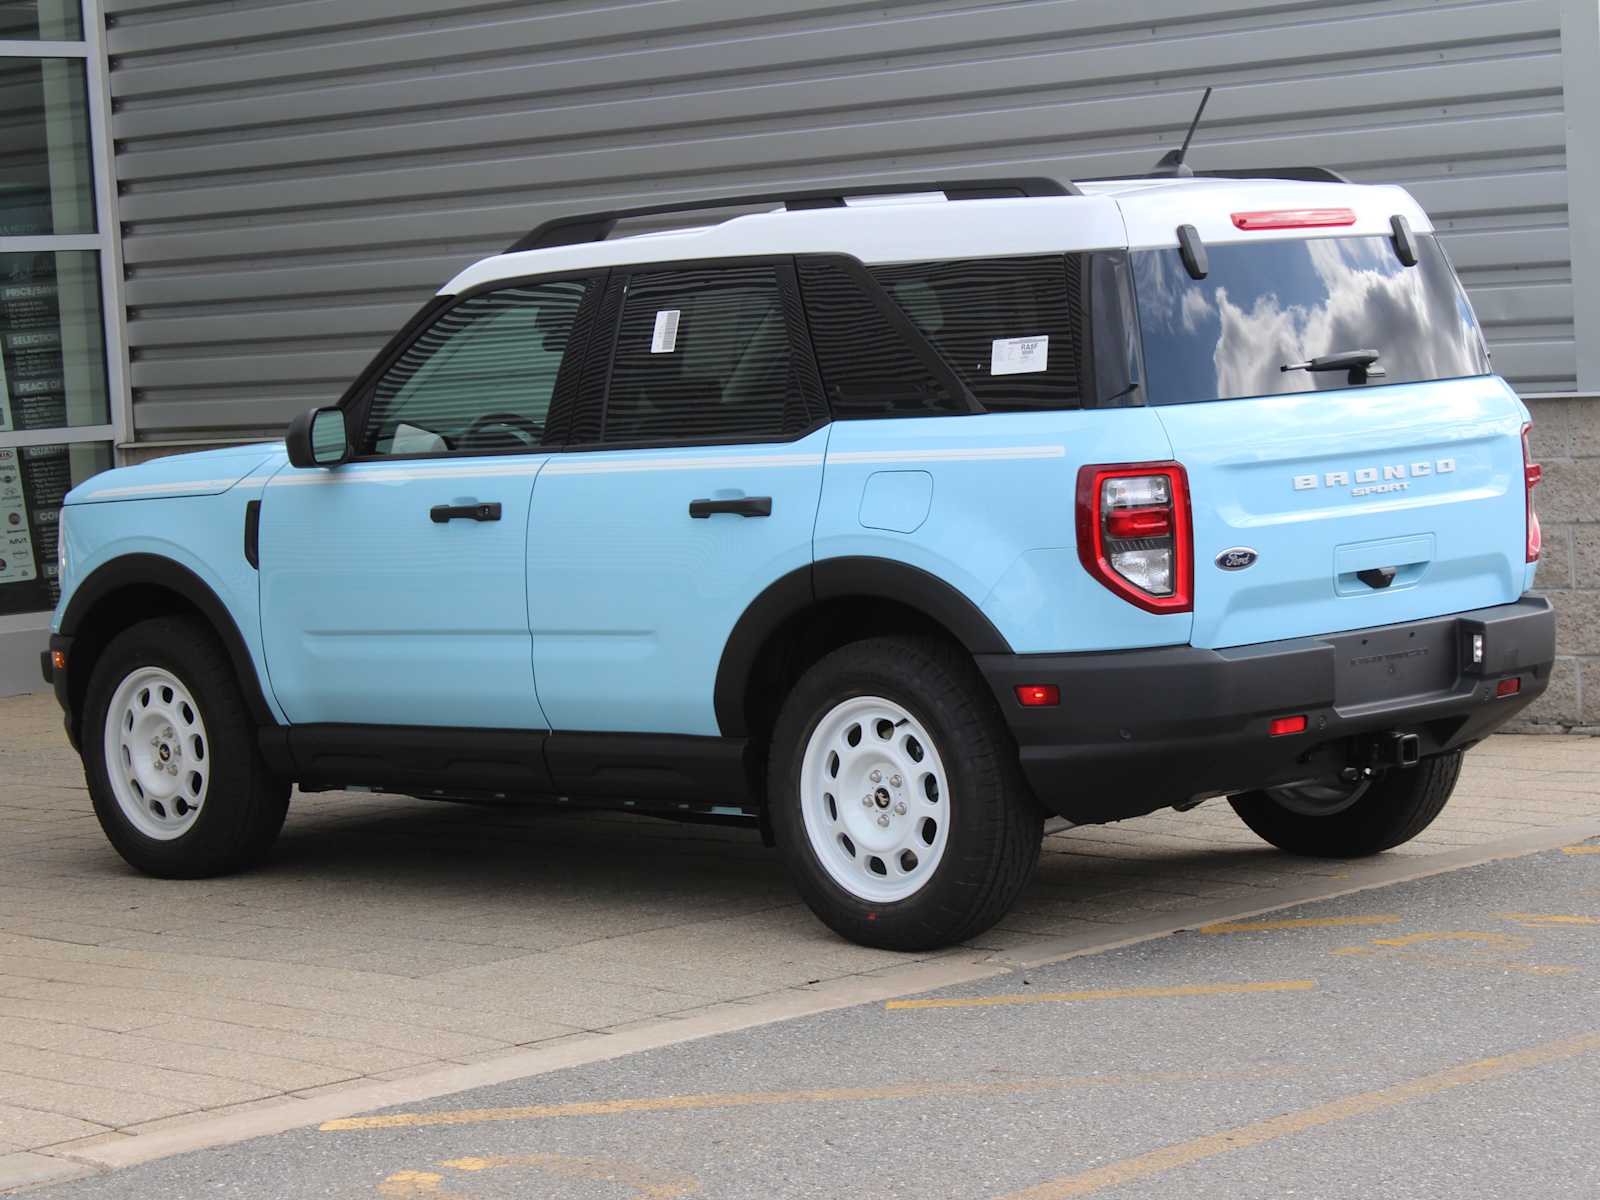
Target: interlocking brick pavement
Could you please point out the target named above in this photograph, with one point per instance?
(389, 936)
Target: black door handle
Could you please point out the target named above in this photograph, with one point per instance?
(465, 512)
(744, 506)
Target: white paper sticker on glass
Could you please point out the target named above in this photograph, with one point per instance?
(1016, 356)
(16, 544)
(665, 340)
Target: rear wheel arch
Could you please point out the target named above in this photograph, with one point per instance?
(810, 612)
(125, 591)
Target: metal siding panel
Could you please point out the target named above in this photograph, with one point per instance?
(353, 154)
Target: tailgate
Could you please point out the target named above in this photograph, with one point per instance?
(1363, 507)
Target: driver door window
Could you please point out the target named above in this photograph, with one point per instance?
(481, 378)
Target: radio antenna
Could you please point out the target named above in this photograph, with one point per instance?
(1172, 164)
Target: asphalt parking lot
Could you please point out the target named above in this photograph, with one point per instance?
(394, 948)
(1305, 1054)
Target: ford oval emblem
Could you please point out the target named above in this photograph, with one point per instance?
(1237, 558)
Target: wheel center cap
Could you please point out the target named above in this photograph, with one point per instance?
(166, 753)
(881, 798)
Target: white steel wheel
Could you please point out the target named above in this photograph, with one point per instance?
(874, 797)
(157, 755)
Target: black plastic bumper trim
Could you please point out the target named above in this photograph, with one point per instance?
(1139, 730)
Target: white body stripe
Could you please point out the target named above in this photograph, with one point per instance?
(158, 489)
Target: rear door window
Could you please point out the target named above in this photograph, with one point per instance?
(710, 354)
(1265, 305)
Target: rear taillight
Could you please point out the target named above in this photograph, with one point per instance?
(1532, 473)
(1134, 533)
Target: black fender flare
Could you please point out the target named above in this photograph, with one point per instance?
(835, 579)
(133, 570)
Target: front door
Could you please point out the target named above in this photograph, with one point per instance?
(696, 487)
(393, 588)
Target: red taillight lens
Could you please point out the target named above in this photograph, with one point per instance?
(1507, 687)
(1532, 473)
(1286, 725)
(1139, 522)
(1134, 533)
(1295, 218)
(1038, 695)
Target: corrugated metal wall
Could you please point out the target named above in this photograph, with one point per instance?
(296, 176)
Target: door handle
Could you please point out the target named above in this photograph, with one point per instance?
(743, 506)
(440, 513)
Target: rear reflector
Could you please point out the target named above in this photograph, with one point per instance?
(1295, 218)
(1038, 695)
(1507, 687)
(1287, 725)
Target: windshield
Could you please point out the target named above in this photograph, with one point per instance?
(1265, 305)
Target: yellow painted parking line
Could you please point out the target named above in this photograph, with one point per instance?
(1508, 940)
(1144, 993)
(1299, 923)
(716, 1100)
(1549, 919)
(1256, 1133)
(1580, 849)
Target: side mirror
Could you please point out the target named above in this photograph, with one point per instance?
(318, 438)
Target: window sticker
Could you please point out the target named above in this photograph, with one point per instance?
(665, 340)
(1018, 356)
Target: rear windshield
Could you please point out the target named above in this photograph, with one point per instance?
(1268, 304)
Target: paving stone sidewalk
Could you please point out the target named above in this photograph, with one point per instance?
(388, 937)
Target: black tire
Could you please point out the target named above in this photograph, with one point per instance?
(1397, 805)
(995, 825)
(244, 804)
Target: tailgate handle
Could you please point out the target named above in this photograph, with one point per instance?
(1378, 577)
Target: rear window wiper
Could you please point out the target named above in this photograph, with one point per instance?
(1357, 362)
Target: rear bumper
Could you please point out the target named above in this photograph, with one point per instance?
(1139, 730)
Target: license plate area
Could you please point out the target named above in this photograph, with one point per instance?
(1390, 664)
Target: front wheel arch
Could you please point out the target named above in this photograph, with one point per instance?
(136, 587)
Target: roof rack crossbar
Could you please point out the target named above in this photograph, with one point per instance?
(597, 226)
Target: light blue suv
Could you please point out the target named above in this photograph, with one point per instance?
(896, 523)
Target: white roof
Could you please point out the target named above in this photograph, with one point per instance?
(1132, 214)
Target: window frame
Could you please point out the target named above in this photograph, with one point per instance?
(356, 403)
(594, 389)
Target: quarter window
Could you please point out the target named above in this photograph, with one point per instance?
(481, 377)
(1012, 328)
(708, 354)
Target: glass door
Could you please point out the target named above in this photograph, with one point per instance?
(60, 388)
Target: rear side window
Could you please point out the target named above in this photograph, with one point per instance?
(1267, 305)
(708, 354)
(1012, 328)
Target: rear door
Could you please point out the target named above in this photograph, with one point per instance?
(691, 485)
(1329, 500)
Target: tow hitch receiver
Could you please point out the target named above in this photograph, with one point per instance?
(1399, 750)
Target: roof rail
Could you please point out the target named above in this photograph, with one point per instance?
(597, 226)
(1298, 174)
(1301, 174)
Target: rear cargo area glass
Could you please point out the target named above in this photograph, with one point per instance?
(1265, 305)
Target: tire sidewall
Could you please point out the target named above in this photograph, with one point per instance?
(227, 739)
(974, 774)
